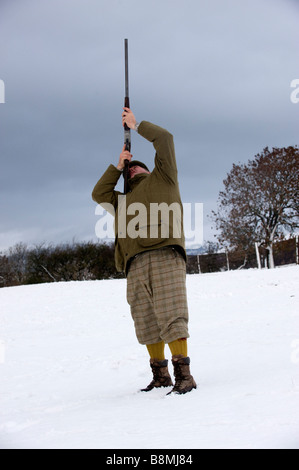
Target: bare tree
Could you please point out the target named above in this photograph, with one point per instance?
(17, 260)
(260, 201)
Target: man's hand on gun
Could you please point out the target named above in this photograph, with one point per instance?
(125, 155)
(128, 118)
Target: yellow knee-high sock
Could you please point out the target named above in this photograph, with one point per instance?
(156, 351)
(179, 346)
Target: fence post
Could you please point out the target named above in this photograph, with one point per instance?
(297, 250)
(198, 265)
(227, 259)
(258, 258)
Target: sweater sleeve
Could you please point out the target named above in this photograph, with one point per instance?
(104, 192)
(165, 161)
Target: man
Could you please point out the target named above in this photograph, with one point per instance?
(151, 252)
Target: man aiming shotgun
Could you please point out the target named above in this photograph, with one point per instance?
(152, 254)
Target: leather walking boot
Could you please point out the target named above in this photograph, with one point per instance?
(184, 382)
(161, 377)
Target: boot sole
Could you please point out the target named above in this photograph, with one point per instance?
(154, 388)
(183, 392)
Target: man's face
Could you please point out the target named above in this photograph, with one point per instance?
(136, 170)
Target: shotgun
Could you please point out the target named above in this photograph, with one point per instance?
(127, 130)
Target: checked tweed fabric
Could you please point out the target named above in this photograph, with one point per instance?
(156, 293)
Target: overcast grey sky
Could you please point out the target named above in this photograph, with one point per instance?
(215, 73)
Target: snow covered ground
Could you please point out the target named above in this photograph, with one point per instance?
(71, 367)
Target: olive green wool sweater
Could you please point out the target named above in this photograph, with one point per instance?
(150, 215)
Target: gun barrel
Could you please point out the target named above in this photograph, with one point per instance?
(127, 130)
(126, 70)
(127, 99)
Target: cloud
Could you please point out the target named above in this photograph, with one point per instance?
(215, 73)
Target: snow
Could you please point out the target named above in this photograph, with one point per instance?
(71, 367)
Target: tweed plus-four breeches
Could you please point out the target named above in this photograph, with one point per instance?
(156, 293)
